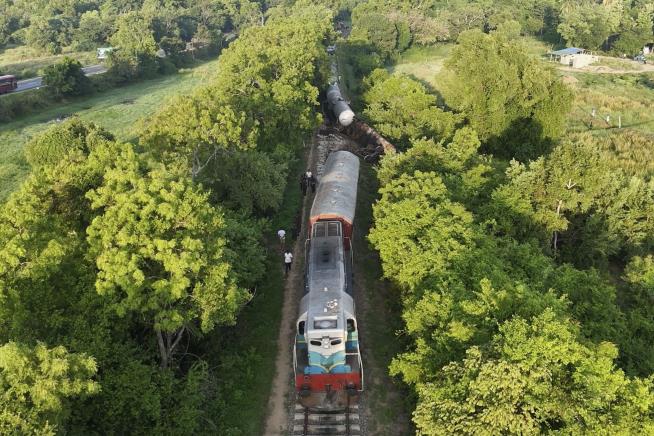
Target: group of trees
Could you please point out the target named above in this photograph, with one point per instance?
(147, 36)
(66, 78)
(118, 262)
(526, 283)
(393, 25)
(51, 25)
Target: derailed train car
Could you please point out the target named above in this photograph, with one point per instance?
(337, 104)
(327, 358)
(339, 107)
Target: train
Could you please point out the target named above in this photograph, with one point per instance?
(339, 107)
(327, 356)
(8, 83)
(337, 104)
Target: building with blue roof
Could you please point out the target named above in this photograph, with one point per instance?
(573, 57)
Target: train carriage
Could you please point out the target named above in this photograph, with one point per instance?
(336, 196)
(340, 108)
(327, 359)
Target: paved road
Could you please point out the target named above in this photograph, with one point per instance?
(24, 85)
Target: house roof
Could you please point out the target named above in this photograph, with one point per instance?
(568, 51)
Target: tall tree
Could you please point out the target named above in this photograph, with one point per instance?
(66, 78)
(514, 102)
(402, 110)
(135, 48)
(160, 250)
(535, 377)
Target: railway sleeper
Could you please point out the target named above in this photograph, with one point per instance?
(322, 430)
(316, 418)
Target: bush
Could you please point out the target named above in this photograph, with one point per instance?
(48, 148)
(12, 106)
(66, 78)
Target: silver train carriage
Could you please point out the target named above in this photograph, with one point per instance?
(326, 358)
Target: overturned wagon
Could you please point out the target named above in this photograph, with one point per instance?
(339, 107)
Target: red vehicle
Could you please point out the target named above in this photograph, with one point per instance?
(7, 84)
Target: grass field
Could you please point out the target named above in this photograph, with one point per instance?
(628, 97)
(119, 110)
(423, 63)
(25, 62)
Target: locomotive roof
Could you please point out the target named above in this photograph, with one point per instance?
(337, 192)
(326, 300)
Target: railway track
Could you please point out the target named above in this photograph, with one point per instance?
(339, 423)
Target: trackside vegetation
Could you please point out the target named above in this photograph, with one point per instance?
(127, 266)
(522, 252)
(505, 278)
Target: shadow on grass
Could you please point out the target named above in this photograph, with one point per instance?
(379, 313)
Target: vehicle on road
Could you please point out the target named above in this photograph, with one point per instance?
(8, 83)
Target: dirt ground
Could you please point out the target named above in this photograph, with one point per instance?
(616, 66)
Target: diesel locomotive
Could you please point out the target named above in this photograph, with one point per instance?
(327, 357)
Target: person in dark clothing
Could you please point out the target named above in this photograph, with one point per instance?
(313, 182)
(303, 183)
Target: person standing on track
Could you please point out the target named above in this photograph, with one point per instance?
(307, 179)
(288, 260)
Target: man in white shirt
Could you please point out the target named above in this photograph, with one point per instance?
(288, 259)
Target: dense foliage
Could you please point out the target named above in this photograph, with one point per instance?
(66, 78)
(120, 265)
(515, 104)
(390, 26)
(52, 25)
(403, 110)
(524, 261)
(523, 316)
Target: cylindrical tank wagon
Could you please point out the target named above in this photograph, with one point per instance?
(340, 108)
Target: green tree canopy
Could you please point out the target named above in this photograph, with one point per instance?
(535, 377)
(514, 102)
(160, 250)
(402, 110)
(36, 384)
(66, 78)
(59, 141)
(418, 230)
(135, 48)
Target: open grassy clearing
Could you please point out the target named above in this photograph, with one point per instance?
(25, 62)
(628, 96)
(119, 110)
(423, 63)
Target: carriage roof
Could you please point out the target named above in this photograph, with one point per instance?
(327, 300)
(336, 196)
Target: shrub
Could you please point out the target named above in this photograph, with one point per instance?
(66, 78)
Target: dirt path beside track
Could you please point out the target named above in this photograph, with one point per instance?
(282, 395)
